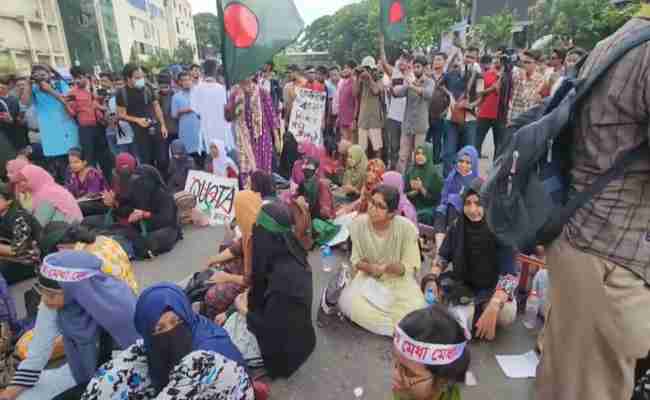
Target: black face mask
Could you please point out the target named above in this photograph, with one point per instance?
(167, 350)
(309, 173)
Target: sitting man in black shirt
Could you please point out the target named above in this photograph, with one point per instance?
(483, 280)
(138, 104)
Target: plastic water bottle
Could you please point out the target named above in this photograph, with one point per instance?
(430, 297)
(532, 308)
(327, 258)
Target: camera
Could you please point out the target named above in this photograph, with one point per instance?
(101, 92)
(510, 57)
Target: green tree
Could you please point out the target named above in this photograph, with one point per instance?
(429, 19)
(495, 30)
(134, 57)
(184, 53)
(208, 31)
(584, 22)
(317, 35)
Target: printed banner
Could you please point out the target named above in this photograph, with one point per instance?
(215, 196)
(307, 115)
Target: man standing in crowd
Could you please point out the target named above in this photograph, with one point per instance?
(368, 87)
(9, 124)
(294, 80)
(57, 130)
(195, 72)
(208, 100)
(86, 108)
(488, 109)
(527, 86)
(332, 84)
(439, 104)
(189, 123)
(165, 96)
(347, 101)
(460, 125)
(598, 326)
(418, 91)
(396, 105)
(138, 104)
(312, 80)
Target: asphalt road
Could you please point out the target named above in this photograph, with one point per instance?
(346, 357)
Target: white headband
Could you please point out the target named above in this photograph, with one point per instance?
(65, 274)
(427, 353)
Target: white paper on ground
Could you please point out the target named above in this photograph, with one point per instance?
(519, 366)
(470, 379)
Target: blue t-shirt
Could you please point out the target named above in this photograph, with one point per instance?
(58, 130)
(189, 124)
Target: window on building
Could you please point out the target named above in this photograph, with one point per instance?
(133, 23)
(84, 20)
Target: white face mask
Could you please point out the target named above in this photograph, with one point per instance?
(139, 83)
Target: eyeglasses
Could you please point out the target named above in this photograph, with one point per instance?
(410, 381)
(528, 61)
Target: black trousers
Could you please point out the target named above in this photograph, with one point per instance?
(152, 149)
(14, 272)
(95, 147)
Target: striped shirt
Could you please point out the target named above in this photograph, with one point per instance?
(615, 225)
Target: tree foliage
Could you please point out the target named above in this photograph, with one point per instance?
(493, 31)
(208, 31)
(184, 53)
(585, 22)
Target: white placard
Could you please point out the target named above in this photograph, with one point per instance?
(307, 115)
(519, 366)
(215, 196)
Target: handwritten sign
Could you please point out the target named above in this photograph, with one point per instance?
(307, 116)
(215, 195)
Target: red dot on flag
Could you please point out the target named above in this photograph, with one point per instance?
(241, 25)
(396, 12)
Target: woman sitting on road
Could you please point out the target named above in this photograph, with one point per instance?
(276, 313)
(19, 233)
(183, 356)
(483, 276)
(355, 173)
(180, 165)
(451, 204)
(385, 257)
(314, 192)
(421, 376)
(94, 314)
(234, 263)
(13, 169)
(262, 183)
(85, 183)
(218, 162)
(423, 184)
(50, 201)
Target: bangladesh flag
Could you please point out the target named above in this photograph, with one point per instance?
(254, 31)
(392, 16)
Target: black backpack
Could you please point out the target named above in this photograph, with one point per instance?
(526, 196)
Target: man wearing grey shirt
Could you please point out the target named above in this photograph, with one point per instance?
(418, 91)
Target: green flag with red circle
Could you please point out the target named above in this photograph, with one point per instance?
(393, 14)
(253, 32)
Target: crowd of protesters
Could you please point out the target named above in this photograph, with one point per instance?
(95, 170)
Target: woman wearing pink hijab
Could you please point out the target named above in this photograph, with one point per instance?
(50, 201)
(405, 208)
(13, 169)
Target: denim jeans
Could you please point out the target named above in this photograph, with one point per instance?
(483, 127)
(456, 137)
(435, 136)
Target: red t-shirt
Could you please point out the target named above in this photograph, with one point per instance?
(489, 108)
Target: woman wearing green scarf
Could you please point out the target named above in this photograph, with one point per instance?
(430, 356)
(356, 169)
(423, 184)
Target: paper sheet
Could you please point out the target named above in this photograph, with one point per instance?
(519, 366)
(343, 221)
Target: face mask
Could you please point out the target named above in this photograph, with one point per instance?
(167, 350)
(140, 83)
(309, 173)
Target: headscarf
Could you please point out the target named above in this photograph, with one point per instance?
(376, 170)
(14, 167)
(206, 335)
(220, 164)
(455, 182)
(43, 189)
(247, 205)
(427, 172)
(125, 164)
(262, 183)
(310, 188)
(274, 245)
(93, 301)
(180, 165)
(355, 174)
(406, 208)
(307, 151)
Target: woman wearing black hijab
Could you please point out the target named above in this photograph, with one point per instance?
(262, 183)
(278, 306)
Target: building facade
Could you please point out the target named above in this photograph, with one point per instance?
(181, 24)
(31, 31)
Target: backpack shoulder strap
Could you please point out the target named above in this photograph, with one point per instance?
(125, 97)
(621, 50)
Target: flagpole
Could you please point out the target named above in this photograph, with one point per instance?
(223, 43)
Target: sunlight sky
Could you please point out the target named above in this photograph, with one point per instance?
(309, 9)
